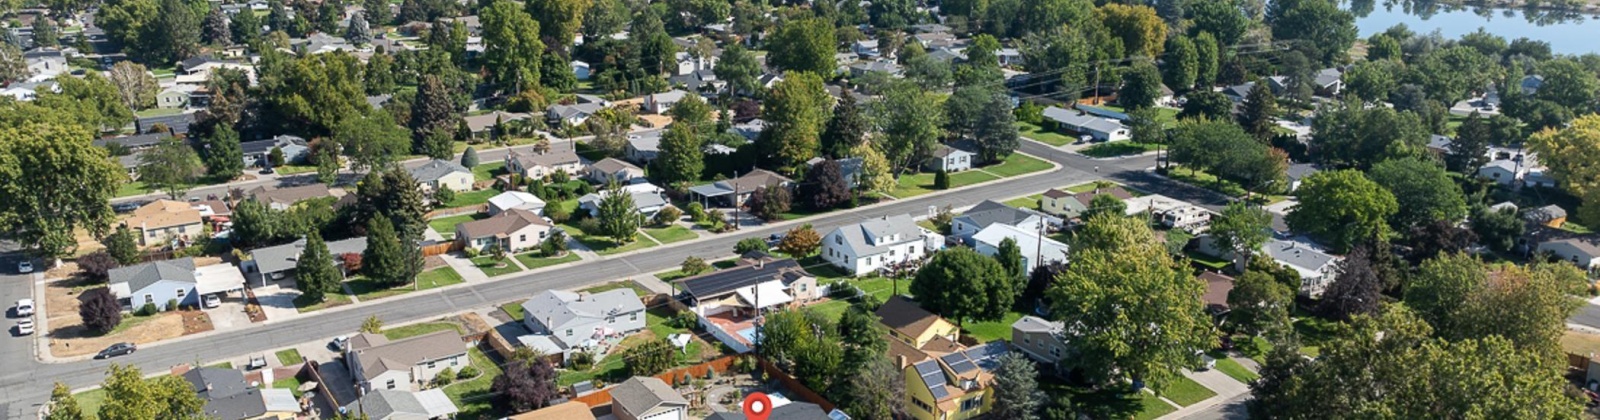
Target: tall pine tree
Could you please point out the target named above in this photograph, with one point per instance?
(314, 272)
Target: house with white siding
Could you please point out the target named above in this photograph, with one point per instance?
(878, 243)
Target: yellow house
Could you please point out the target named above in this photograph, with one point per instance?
(944, 379)
(165, 220)
(912, 325)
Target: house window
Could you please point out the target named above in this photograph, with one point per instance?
(922, 405)
(891, 252)
(430, 364)
(541, 235)
(802, 287)
(972, 404)
(633, 316)
(839, 239)
(569, 332)
(180, 292)
(391, 384)
(522, 238)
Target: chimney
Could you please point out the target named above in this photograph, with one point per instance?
(760, 262)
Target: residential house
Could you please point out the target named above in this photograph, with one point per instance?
(950, 159)
(1298, 172)
(513, 230)
(1315, 266)
(439, 173)
(646, 201)
(703, 82)
(647, 398)
(130, 163)
(27, 91)
(733, 192)
(644, 146)
(515, 200)
(689, 63)
(176, 123)
(228, 396)
(1072, 205)
(726, 302)
(375, 362)
(1043, 341)
(910, 324)
(1439, 145)
(160, 283)
(660, 103)
(935, 39)
(1218, 286)
(879, 243)
(395, 404)
(1503, 171)
(136, 142)
(1009, 57)
(165, 221)
(1328, 82)
(572, 115)
(45, 64)
(1037, 250)
(482, 126)
(278, 262)
(1551, 216)
(1088, 127)
(580, 70)
(991, 212)
(613, 170)
(750, 130)
(1531, 83)
(570, 410)
(575, 322)
(876, 66)
(1583, 251)
(541, 164)
(866, 48)
(257, 153)
(175, 97)
(1238, 93)
(284, 198)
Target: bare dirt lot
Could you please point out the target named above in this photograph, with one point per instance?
(68, 336)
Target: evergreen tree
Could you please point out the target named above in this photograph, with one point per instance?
(382, 260)
(433, 114)
(846, 130)
(469, 158)
(619, 219)
(1009, 255)
(224, 159)
(358, 32)
(941, 180)
(314, 272)
(245, 28)
(1016, 389)
(377, 11)
(214, 30)
(45, 32)
(174, 35)
(1258, 116)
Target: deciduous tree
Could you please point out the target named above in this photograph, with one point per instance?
(373, 140)
(910, 120)
(1259, 304)
(619, 219)
(63, 406)
(1342, 207)
(526, 385)
(1567, 153)
(1141, 85)
(1242, 229)
(805, 45)
(170, 166)
(129, 396)
(1358, 289)
(1181, 66)
(800, 242)
(795, 110)
(512, 46)
(1142, 32)
(134, 84)
(99, 310)
(559, 21)
(1424, 192)
(55, 182)
(963, 285)
(825, 186)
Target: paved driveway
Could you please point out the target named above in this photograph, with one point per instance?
(277, 302)
(230, 314)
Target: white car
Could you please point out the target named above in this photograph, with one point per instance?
(25, 326)
(25, 307)
(212, 301)
(25, 267)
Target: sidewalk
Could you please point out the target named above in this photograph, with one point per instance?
(1225, 386)
(463, 266)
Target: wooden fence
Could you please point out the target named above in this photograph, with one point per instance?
(796, 389)
(441, 248)
(453, 211)
(314, 370)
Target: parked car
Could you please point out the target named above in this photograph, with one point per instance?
(25, 326)
(124, 207)
(256, 362)
(25, 307)
(116, 350)
(212, 301)
(338, 343)
(25, 267)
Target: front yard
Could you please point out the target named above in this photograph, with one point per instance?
(1042, 135)
(670, 234)
(1118, 148)
(493, 268)
(1017, 164)
(605, 246)
(625, 284)
(488, 171)
(368, 289)
(912, 185)
(302, 304)
(533, 260)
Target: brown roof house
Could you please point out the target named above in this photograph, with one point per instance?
(735, 191)
(1218, 286)
(540, 164)
(910, 324)
(162, 221)
(283, 198)
(513, 230)
(944, 379)
(613, 169)
(645, 397)
(377, 363)
(1070, 205)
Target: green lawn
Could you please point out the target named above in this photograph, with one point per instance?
(1151, 407)
(882, 287)
(471, 198)
(670, 234)
(90, 401)
(922, 183)
(613, 368)
(1208, 181)
(1017, 164)
(656, 320)
(992, 330)
(1029, 202)
(295, 169)
(368, 289)
(833, 309)
(132, 188)
(158, 112)
(223, 365)
(1235, 370)
(605, 246)
(290, 383)
(625, 284)
(446, 226)
(1167, 116)
(533, 260)
(1111, 402)
(290, 357)
(1187, 392)
(477, 388)
(329, 300)
(1208, 261)
(493, 268)
(1118, 148)
(1081, 188)
(414, 330)
(1044, 136)
(438, 277)
(514, 309)
(488, 171)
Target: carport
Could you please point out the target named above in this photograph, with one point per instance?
(218, 278)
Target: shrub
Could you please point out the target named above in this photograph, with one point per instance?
(750, 244)
(444, 377)
(941, 180)
(555, 244)
(581, 361)
(697, 212)
(147, 310)
(352, 260)
(470, 252)
(100, 311)
(589, 225)
(694, 265)
(685, 320)
(444, 196)
(557, 213)
(667, 216)
(96, 265)
(172, 304)
(468, 372)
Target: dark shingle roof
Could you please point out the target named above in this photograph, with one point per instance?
(725, 281)
(903, 315)
(141, 276)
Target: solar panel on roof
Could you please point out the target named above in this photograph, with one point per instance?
(927, 367)
(933, 378)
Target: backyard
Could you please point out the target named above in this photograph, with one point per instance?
(471, 396)
(657, 326)
(471, 198)
(446, 226)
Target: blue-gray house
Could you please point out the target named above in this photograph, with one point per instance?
(160, 282)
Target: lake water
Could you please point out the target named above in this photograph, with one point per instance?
(1567, 33)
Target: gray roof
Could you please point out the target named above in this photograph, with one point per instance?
(386, 404)
(884, 66)
(748, 182)
(266, 145)
(435, 169)
(1545, 214)
(568, 111)
(178, 123)
(1030, 323)
(613, 165)
(141, 276)
(856, 236)
(640, 394)
(1240, 91)
(1328, 76)
(1297, 254)
(273, 259)
(1438, 142)
(554, 157)
(723, 282)
(226, 394)
(403, 354)
(645, 141)
(641, 200)
(1298, 171)
(478, 123)
(1077, 119)
(794, 410)
(990, 212)
(290, 195)
(559, 310)
(134, 141)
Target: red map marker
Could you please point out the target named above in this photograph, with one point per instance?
(757, 406)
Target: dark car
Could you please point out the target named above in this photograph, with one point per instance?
(116, 350)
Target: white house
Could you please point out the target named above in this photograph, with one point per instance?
(573, 319)
(1036, 250)
(1087, 125)
(613, 169)
(1583, 251)
(878, 243)
(950, 159)
(159, 283)
(1317, 268)
(515, 200)
(660, 103)
(646, 202)
(513, 231)
(45, 64)
(991, 212)
(438, 174)
(377, 363)
(539, 165)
